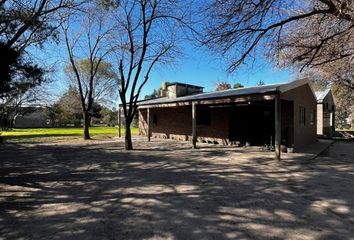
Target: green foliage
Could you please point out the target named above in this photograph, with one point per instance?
(344, 99)
(105, 70)
(24, 24)
(17, 74)
(238, 85)
(260, 83)
(220, 86)
(70, 109)
(108, 116)
(154, 94)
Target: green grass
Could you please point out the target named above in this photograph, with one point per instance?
(33, 135)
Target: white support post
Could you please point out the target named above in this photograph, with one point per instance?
(277, 140)
(148, 125)
(194, 126)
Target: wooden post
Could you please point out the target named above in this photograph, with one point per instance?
(148, 125)
(119, 122)
(194, 126)
(277, 140)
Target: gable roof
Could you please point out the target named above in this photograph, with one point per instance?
(271, 88)
(320, 95)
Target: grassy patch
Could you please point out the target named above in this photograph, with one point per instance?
(33, 135)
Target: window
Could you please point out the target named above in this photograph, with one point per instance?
(302, 116)
(203, 116)
(313, 117)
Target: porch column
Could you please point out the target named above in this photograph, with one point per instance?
(194, 126)
(119, 122)
(148, 125)
(277, 140)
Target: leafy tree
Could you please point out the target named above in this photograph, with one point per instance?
(155, 94)
(344, 100)
(238, 85)
(109, 116)
(220, 86)
(53, 113)
(316, 36)
(24, 24)
(260, 83)
(69, 105)
(94, 78)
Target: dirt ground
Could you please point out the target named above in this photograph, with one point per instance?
(165, 190)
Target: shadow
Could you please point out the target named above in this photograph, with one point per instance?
(100, 191)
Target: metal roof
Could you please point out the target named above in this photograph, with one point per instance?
(282, 87)
(320, 95)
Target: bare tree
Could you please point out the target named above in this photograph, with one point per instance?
(312, 35)
(148, 30)
(87, 51)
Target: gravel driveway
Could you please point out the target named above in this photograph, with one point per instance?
(165, 190)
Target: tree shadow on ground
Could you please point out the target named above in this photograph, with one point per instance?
(103, 192)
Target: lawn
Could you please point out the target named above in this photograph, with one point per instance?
(34, 135)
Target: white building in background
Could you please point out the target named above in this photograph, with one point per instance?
(325, 113)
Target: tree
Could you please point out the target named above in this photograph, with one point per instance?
(93, 76)
(53, 113)
(344, 100)
(148, 31)
(69, 108)
(24, 24)
(155, 94)
(109, 116)
(222, 85)
(260, 83)
(238, 85)
(312, 35)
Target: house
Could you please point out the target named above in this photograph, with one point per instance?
(325, 113)
(31, 116)
(269, 114)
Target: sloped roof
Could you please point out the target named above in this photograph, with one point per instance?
(271, 88)
(320, 95)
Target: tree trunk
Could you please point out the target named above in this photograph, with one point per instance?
(86, 126)
(128, 137)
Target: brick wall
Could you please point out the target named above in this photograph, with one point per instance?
(176, 123)
(303, 97)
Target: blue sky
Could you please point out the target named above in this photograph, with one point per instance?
(201, 67)
(196, 65)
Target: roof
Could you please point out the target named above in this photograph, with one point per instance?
(272, 88)
(320, 95)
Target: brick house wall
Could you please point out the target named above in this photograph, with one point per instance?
(303, 97)
(176, 123)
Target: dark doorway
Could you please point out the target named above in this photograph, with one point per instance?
(253, 123)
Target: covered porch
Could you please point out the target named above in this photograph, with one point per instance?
(253, 120)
